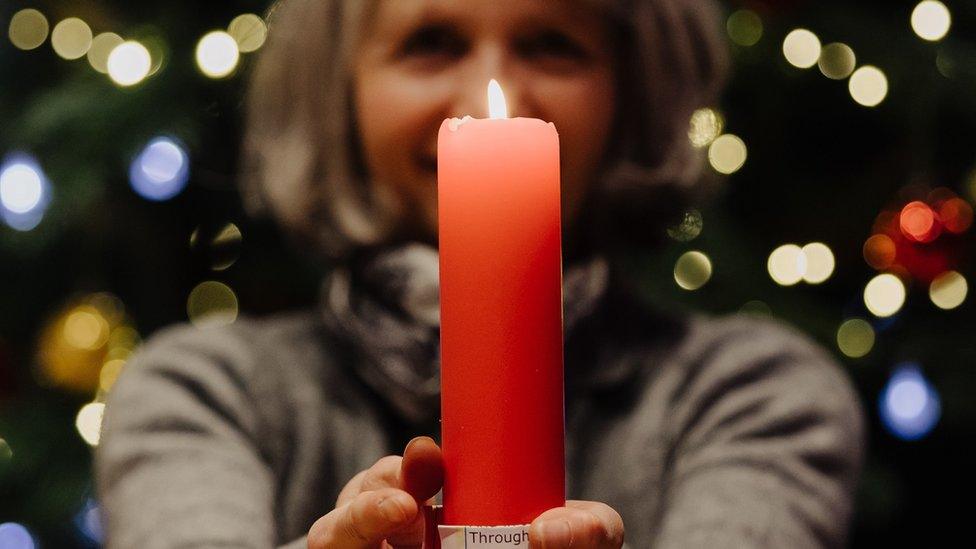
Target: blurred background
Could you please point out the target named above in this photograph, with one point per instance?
(844, 161)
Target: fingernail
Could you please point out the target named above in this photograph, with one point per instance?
(392, 509)
(556, 533)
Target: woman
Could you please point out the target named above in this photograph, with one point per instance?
(685, 431)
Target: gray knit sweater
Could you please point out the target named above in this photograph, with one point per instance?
(699, 431)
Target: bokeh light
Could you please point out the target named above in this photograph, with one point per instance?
(931, 20)
(88, 522)
(6, 452)
(28, 29)
(71, 38)
(787, 264)
(160, 171)
(868, 86)
(948, 290)
(217, 54)
(956, 215)
(89, 422)
(129, 63)
(212, 303)
(884, 295)
(756, 307)
(219, 246)
(101, 46)
(918, 222)
(879, 251)
(86, 328)
(249, 31)
(692, 270)
(706, 125)
(819, 262)
(837, 61)
(15, 536)
(727, 154)
(745, 28)
(909, 404)
(24, 192)
(801, 48)
(855, 337)
(690, 227)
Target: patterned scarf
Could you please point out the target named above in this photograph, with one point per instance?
(387, 306)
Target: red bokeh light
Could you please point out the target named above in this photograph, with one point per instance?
(919, 223)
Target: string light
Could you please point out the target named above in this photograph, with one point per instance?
(931, 20)
(16, 536)
(101, 46)
(161, 170)
(909, 405)
(801, 48)
(28, 29)
(879, 251)
(210, 304)
(855, 337)
(689, 228)
(884, 295)
(948, 290)
(868, 86)
(819, 262)
(692, 270)
(24, 192)
(956, 215)
(745, 28)
(787, 264)
(249, 31)
(217, 54)
(71, 38)
(918, 222)
(837, 61)
(129, 63)
(727, 154)
(706, 124)
(88, 422)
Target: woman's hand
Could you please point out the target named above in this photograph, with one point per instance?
(381, 506)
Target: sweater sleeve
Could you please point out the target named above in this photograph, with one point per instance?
(766, 444)
(178, 463)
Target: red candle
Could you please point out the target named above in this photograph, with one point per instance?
(502, 429)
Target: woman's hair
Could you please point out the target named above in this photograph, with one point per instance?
(302, 160)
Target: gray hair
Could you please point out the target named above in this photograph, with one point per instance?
(302, 161)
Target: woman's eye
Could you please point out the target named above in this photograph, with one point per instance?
(553, 43)
(433, 40)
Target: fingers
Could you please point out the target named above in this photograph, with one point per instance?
(365, 521)
(422, 469)
(580, 524)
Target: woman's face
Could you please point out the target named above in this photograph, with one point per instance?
(421, 61)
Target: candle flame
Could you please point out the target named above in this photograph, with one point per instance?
(497, 108)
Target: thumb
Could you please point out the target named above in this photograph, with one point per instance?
(422, 469)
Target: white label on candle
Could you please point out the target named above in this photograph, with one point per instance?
(484, 537)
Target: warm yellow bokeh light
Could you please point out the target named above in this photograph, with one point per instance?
(819, 262)
(948, 290)
(28, 29)
(211, 303)
(217, 54)
(101, 46)
(868, 86)
(727, 154)
(787, 264)
(129, 63)
(692, 270)
(71, 38)
(110, 372)
(89, 422)
(931, 20)
(801, 48)
(884, 295)
(855, 337)
(86, 328)
(706, 125)
(249, 31)
(837, 61)
(745, 28)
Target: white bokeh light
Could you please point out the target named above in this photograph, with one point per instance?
(24, 192)
(217, 54)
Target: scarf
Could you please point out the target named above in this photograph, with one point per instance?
(386, 304)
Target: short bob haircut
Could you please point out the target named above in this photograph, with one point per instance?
(302, 162)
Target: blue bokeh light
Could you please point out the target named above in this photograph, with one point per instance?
(909, 404)
(24, 192)
(88, 521)
(160, 171)
(15, 536)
